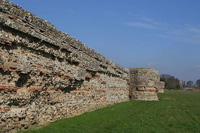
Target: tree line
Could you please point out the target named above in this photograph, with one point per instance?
(173, 83)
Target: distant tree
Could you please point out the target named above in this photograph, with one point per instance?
(190, 84)
(164, 77)
(171, 82)
(198, 83)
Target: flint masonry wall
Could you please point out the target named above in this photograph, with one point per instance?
(46, 75)
(144, 84)
(160, 86)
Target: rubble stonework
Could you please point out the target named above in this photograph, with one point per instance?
(160, 86)
(144, 84)
(46, 75)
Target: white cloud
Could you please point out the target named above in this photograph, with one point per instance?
(153, 64)
(146, 23)
(183, 33)
(162, 36)
(129, 13)
(147, 19)
(197, 66)
(141, 25)
(151, 21)
(195, 30)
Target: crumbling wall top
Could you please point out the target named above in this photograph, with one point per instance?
(144, 74)
(47, 32)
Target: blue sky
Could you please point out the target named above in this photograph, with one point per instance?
(162, 34)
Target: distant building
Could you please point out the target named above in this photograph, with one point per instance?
(181, 84)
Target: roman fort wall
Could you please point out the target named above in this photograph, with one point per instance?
(46, 75)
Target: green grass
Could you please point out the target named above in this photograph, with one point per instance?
(176, 111)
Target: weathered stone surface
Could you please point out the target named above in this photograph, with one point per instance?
(160, 86)
(46, 75)
(24, 108)
(143, 84)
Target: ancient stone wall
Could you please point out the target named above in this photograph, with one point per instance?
(144, 84)
(160, 86)
(46, 75)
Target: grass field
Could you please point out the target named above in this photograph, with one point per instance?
(176, 111)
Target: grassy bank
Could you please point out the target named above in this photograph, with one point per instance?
(177, 111)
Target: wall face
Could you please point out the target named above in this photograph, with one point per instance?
(161, 86)
(143, 84)
(46, 75)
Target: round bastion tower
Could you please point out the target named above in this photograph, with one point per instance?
(144, 84)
